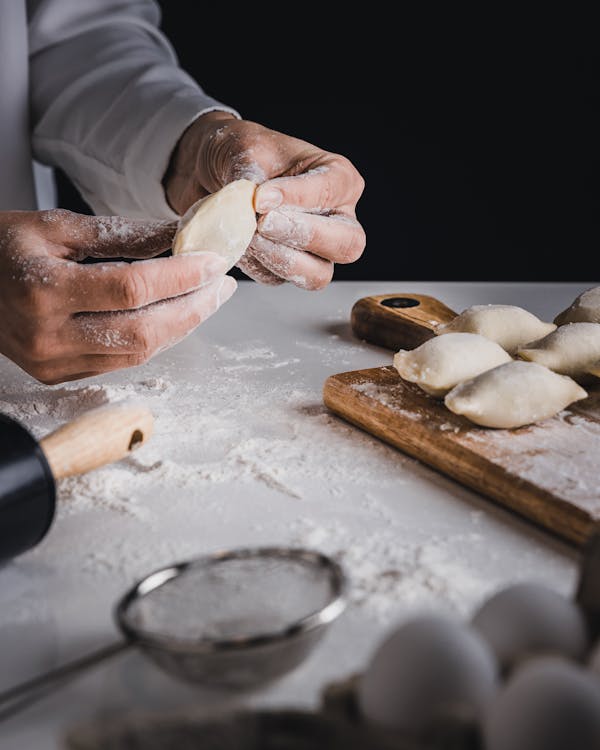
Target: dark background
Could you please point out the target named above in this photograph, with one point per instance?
(477, 136)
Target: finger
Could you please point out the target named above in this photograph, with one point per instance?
(128, 286)
(149, 330)
(257, 272)
(330, 185)
(305, 270)
(87, 366)
(337, 237)
(107, 236)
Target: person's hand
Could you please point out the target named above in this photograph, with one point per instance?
(62, 319)
(307, 197)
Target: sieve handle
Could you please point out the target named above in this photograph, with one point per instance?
(96, 438)
(16, 699)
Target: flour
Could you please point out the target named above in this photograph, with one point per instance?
(388, 573)
(111, 338)
(207, 434)
(387, 397)
(121, 229)
(289, 226)
(260, 441)
(260, 368)
(250, 352)
(245, 167)
(562, 461)
(231, 430)
(255, 270)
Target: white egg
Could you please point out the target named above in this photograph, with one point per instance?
(429, 668)
(529, 618)
(548, 704)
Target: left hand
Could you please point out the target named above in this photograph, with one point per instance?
(306, 197)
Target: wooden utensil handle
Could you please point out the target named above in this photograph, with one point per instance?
(398, 321)
(98, 437)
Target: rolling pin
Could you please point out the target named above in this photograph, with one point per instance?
(29, 469)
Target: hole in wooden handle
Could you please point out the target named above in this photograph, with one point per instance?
(137, 437)
(398, 302)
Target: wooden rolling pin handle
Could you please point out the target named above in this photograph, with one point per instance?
(398, 321)
(98, 437)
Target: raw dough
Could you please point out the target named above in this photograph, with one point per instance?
(513, 395)
(222, 223)
(585, 309)
(440, 363)
(507, 325)
(571, 350)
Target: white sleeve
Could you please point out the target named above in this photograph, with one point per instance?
(108, 100)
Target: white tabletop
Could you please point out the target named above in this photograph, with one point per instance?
(245, 454)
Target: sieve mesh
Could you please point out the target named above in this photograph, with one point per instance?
(227, 599)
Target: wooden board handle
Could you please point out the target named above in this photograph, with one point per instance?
(398, 321)
(98, 437)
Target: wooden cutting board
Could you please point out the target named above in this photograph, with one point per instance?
(549, 472)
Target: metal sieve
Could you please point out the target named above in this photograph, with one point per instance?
(234, 620)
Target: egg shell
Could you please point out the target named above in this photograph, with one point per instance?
(429, 668)
(548, 704)
(527, 619)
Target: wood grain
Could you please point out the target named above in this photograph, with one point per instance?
(547, 472)
(373, 320)
(98, 437)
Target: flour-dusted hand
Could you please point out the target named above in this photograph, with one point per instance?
(306, 197)
(63, 319)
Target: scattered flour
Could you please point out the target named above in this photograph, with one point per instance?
(266, 443)
(250, 352)
(267, 440)
(386, 396)
(209, 434)
(389, 572)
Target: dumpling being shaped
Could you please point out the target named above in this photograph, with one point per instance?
(571, 350)
(222, 223)
(442, 362)
(507, 325)
(513, 395)
(584, 309)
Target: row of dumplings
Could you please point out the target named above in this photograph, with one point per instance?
(469, 363)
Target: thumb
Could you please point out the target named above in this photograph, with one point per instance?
(108, 236)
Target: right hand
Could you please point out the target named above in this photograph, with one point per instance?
(64, 320)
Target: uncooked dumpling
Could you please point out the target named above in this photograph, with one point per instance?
(585, 309)
(513, 395)
(222, 223)
(571, 350)
(440, 363)
(507, 325)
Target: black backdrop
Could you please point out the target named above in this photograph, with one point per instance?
(477, 136)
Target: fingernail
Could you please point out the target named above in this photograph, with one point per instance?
(228, 287)
(267, 198)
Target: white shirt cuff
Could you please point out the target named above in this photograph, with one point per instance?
(148, 157)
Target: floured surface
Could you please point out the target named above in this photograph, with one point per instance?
(245, 453)
(562, 455)
(558, 457)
